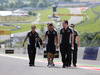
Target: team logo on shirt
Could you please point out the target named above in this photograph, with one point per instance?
(35, 35)
(54, 32)
(30, 34)
(62, 30)
(68, 30)
(48, 32)
(74, 33)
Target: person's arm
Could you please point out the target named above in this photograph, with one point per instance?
(37, 37)
(44, 41)
(59, 40)
(24, 41)
(78, 40)
(72, 39)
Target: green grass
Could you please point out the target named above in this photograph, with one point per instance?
(97, 9)
(45, 13)
(24, 27)
(13, 1)
(6, 27)
(64, 11)
(27, 27)
(90, 25)
(17, 18)
(84, 17)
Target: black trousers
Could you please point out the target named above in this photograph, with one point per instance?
(66, 54)
(74, 54)
(31, 54)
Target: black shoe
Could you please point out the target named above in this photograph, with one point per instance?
(63, 66)
(30, 65)
(66, 65)
(33, 65)
(74, 65)
(69, 65)
(48, 65)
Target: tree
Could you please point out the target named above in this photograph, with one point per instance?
(39, 3)
(34, 3)
(30, 12)
(46, 3)
(11, 5)
(3, 1)
(34, 14)
(2, 7)
(67, 0)
(96, 41)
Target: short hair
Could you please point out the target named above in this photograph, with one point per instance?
(66, 21)
(73, 25)
(50, 24)
(33, 26)
(47, 23)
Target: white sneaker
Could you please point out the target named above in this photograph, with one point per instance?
(49, 65)
(52, 63)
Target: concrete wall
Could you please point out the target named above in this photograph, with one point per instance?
(98, 57)
(81, 52)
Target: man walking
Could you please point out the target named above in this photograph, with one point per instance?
(66, 34)
(74, 51)
(52, 36)
(32, 39)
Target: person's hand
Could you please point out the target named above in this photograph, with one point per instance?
(36, 39)
(72, 45)
(57, 46)
(43, 45)
(23, 44)
(78, 45)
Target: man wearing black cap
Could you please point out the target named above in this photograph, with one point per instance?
(74, 51)
(32, 39)
(52, 36)
(65, 46)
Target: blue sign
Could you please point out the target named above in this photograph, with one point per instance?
(91, 53)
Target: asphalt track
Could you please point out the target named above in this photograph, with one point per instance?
(75, 19)
(18, 65)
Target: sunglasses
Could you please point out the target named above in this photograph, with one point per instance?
(72, 26)
(33, 27)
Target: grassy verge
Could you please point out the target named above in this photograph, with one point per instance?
(84, 17)
(17, 18)
(27, 27)
(90, 25)
(45, 13)
(64, 11)
(6, 27)
(13, 1)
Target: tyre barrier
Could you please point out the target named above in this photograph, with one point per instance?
(91, 53)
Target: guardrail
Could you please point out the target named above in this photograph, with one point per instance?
(17, 27)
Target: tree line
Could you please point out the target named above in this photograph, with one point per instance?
(20, 4)
(33, 3)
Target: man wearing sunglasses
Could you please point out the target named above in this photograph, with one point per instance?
(32, 39)
(75, 49)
